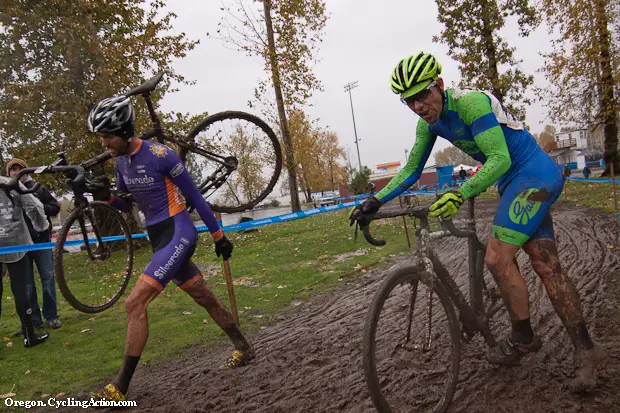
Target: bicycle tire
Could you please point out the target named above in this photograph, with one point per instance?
(402, 275)
(234, 115)
(59, 252)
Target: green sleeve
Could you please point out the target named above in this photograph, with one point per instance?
(411, 172)
(475, 110)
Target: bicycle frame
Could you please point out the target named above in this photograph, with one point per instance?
(213, 181)
(473, 316)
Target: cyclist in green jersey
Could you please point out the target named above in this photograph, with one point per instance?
(529, 182)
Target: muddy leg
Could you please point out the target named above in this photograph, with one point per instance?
(561, 290)
(202, 294)
(137, 330)
(589, 358)
(501, 261)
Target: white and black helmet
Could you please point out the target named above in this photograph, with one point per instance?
(112, 115)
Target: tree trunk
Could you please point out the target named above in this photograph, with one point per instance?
(490, 51)
(609, 109)
(288, 144)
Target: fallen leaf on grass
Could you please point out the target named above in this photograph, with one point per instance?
(85, 330)
(9, 344)
(9, 298)
(66, 343)
(27, 372)
(187, 312)
(60, 394)
(44, 396)
(205, 321)
(6, 396)
(91, 319)
(6, 339)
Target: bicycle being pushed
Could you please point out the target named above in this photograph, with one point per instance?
(412, 333)
(96, 272)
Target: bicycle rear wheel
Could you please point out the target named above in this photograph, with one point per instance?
(411, 346)
(246, 142)
(92, 276)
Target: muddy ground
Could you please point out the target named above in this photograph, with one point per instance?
(311, 360)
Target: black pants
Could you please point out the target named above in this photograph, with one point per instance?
(18, 272)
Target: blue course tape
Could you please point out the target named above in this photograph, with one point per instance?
(230, 228)
(597, 180)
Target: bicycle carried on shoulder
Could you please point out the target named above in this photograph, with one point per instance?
(234, 157)
(412, 334)
(96, 272)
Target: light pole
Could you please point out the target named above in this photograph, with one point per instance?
(347, 88)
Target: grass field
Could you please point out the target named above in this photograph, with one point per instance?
(269, 267)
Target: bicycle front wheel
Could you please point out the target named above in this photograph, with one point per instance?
(247, 165)
(93, 257)
(411, 346)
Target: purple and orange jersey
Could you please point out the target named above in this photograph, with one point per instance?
(158, 181)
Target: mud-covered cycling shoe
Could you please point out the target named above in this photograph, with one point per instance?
(109, 393)
(239, 358)
(588, 364)
(509, 351)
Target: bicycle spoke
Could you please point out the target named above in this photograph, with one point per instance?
(253, 153)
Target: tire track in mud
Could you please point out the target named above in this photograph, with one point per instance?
(311, 361)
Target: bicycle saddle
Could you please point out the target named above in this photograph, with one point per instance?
(146, 87)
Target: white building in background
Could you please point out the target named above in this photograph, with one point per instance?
(571, 145)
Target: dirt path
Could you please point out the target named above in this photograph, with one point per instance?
(311, 361)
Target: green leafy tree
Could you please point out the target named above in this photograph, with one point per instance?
(359, 184)
(583, 69)
(453, 156)
(58, 58)
(471, 31)
(286, 34)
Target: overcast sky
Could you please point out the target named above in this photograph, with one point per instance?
(363, 41)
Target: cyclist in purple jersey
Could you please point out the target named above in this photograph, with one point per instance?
(157, 180)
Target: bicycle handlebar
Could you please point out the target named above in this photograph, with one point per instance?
(418, 212)
(14, 183)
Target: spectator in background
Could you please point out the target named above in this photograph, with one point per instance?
(462, 174)
(43, 258)
(586, 172)
(567, 170)
(371, 187)
(14, 231)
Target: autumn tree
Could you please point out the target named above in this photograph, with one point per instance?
(584, 78)
(57, 59)
(453, 156)
(285, 34)
(318, 155)
(546, 139)
(471, 31)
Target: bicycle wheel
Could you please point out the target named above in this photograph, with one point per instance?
(247, 143)
(411, 346)
(92, 276)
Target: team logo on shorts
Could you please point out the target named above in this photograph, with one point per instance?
(523, 208)
(159, 150)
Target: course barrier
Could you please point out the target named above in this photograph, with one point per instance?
(202, 228)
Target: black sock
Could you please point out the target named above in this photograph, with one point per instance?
(236, 337)
(522, 331)
(127, 369)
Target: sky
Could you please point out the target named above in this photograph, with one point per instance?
(363, 41)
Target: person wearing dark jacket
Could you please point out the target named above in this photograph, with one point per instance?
(42, 258)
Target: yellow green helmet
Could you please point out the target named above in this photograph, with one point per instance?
(414, 73)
